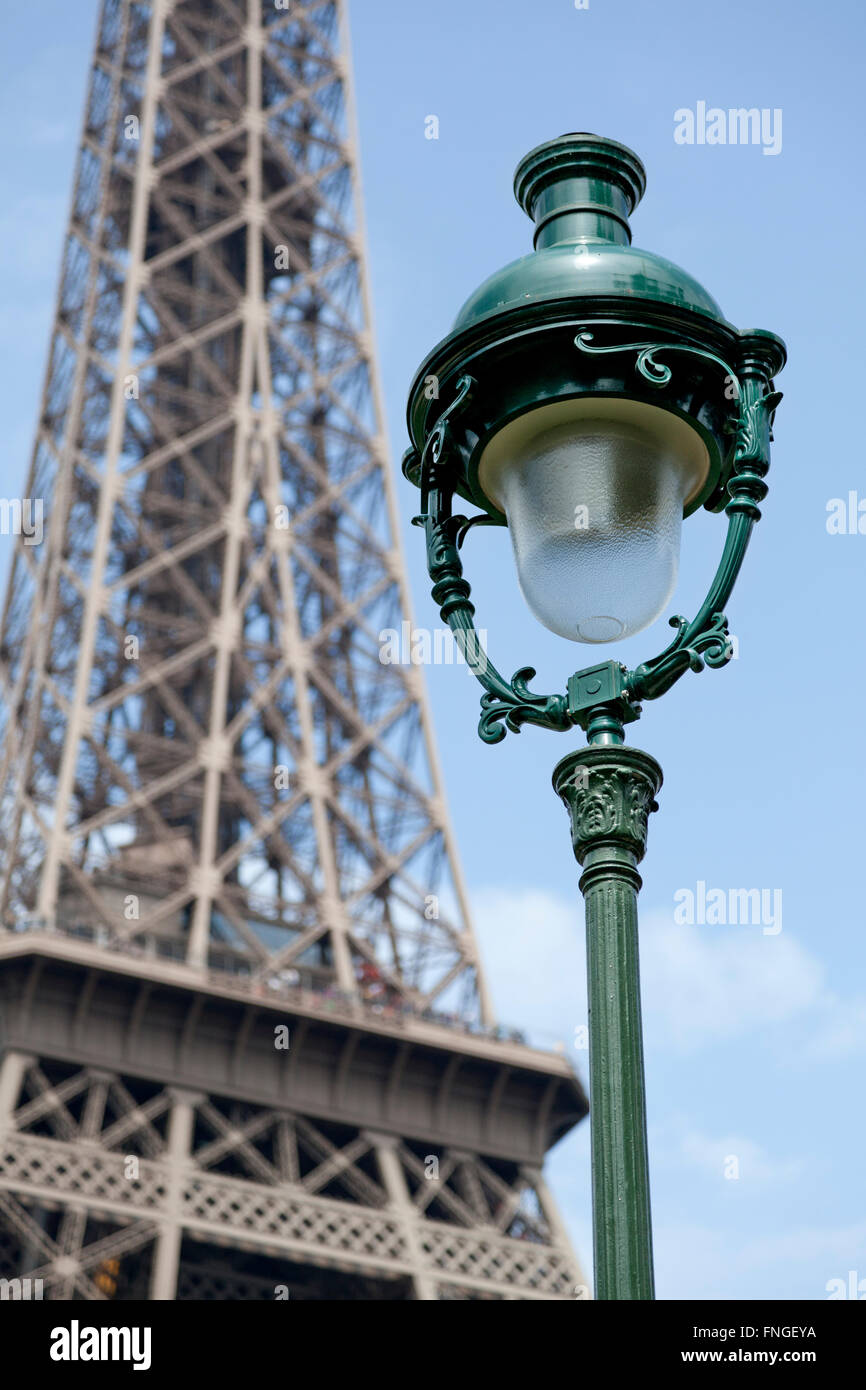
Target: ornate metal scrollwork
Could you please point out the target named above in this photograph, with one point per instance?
(656, 373)
(610, 794)
(706, 640)
(689, 650)
(506, 704)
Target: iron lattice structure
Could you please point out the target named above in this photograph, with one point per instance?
(211, 786)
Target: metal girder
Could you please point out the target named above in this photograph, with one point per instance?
(211, 365)
(122, 1185)
(218, 806)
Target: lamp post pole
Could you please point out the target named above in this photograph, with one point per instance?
(610, 790)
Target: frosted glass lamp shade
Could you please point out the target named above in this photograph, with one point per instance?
(594, 491)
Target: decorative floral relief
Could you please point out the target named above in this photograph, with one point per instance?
(609, 802)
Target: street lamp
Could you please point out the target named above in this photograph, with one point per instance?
(589, 397)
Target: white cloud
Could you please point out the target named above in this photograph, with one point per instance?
(700, 984)
(533, 952)
(756, 1165)
(841, 1030)
(704, 984)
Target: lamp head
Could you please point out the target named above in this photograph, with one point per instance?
(590, 454)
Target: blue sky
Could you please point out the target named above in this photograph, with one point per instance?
(756, 1042)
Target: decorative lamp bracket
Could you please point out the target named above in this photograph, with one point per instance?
(603, 698)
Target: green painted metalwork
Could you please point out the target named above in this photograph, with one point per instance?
(703, 641)
(511, 701)
(580, 191)
(587, 315)
(609, 793)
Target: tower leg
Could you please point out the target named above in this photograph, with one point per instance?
(559, 1235)
(12, 1071)
(166, 1255)
(394, 1182)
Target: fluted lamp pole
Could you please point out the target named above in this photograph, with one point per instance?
(589, 397)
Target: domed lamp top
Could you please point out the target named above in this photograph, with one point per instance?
(580, 190)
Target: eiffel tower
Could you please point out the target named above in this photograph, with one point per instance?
(247, 1048)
